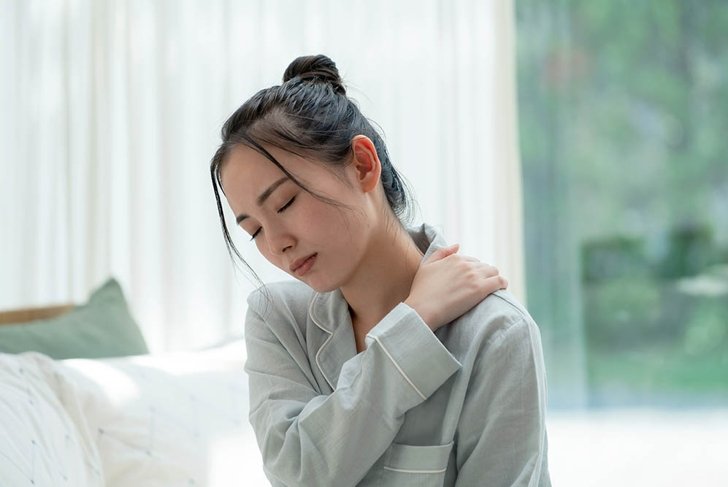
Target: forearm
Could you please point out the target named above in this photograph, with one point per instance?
(310, 439)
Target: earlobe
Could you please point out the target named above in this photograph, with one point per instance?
(366, 162)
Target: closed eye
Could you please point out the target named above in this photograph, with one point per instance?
(280, 210)
(284, 207)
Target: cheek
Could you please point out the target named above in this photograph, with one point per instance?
(264, 250)
(344, 229)
(262, 247)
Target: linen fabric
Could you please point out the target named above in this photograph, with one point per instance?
(40, 443)
(462, 406)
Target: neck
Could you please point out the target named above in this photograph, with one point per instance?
(383, 279)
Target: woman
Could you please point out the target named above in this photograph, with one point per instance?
(384, 364)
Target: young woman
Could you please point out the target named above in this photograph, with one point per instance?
(384, 364)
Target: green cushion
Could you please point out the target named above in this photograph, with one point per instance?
(103, 327)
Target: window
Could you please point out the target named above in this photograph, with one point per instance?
(623, 112)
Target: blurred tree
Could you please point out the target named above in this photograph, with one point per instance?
(624, 143)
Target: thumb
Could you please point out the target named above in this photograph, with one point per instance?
(440, 254)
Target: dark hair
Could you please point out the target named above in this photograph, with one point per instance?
(308, 115)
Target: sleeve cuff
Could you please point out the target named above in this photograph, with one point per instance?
(413, 349)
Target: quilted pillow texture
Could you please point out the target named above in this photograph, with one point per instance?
(40, 444)
(174, 419)
(103, 327)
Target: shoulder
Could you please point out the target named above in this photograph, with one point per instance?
(499, 321)
(503, 307)
(279, 300)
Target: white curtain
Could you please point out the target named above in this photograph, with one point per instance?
(111, 111)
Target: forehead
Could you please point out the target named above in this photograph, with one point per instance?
(246, 173)
(244, 164)
(245, 167)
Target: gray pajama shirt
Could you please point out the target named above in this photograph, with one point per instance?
(463, 406)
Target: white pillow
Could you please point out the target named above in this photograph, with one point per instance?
(40, 444)
(176, 419)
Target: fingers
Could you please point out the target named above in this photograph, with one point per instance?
(440, 254)
(490, 274)
(494, 283)
(489, 270)
(486, 270)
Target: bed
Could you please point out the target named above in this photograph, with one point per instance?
(130, 420)
(180, 419)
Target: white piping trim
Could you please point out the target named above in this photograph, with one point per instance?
(310, 313)
(319, 365)
(397, 366)
(403, 470)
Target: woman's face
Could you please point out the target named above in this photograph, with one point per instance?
(316, 242)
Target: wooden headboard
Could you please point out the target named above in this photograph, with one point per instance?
(30, 314)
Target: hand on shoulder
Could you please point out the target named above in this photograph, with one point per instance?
(448, 284)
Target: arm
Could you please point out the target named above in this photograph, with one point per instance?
(502, 425)
(311, 439)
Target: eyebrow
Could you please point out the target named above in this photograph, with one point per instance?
(263, 196)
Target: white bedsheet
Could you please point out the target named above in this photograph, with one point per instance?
(40, 445)
(177, 419)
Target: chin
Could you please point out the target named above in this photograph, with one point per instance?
(323, 282)
(320, 287)
(319, 283)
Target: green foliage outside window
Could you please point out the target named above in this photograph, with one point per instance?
(623, 110)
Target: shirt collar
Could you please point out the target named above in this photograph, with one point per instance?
(330, 313)
(427, 239)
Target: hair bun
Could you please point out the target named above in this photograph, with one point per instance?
(315, 68)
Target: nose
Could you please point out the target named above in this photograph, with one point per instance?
(279, 240)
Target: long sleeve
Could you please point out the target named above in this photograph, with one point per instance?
(307, 438)
(502, 426)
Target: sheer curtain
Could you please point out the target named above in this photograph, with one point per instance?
(112, 110)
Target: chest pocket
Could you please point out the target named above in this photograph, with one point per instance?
(420, 466)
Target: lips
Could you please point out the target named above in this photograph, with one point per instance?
(300, 266)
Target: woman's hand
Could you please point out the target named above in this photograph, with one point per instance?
(447, 285)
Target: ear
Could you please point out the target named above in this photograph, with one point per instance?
(366, 163)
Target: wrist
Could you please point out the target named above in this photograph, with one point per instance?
(417, 308)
